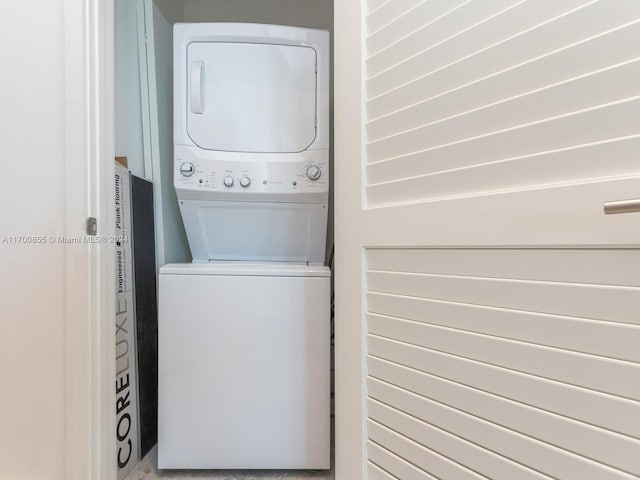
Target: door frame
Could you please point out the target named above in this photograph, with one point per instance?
(90, 271)
(350, 369)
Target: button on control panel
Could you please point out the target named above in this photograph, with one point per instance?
(228, 181)
(245, 182)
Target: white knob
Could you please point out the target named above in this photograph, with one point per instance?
(313, 172)
(245, 182)
(228, 181)
(187, 169)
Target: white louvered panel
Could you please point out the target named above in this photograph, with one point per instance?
(529, 104)
(395, 465)
(548, 101)
(602, 267)
(376, 473)
(419, 455)
(597, 124)
(596, 373)
(391, 181)
(612, 304)
(607, 339)
(595, 408)
(577, 127)
(545, 458)
(527, 19)
(528, 53)
(388, 13)
(502, 324)
(382, 44)
(487, 77)
(373, 5)
(577, 437)
(477, 458)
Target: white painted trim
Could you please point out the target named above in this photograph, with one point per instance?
(103, 277)
(77, 264)
(349, 283)
(150, 121)
(90, 271)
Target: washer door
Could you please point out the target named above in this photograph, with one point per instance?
(248, 97)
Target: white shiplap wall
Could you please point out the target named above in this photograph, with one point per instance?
(513, 357)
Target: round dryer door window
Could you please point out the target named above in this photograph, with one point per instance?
(248, 97)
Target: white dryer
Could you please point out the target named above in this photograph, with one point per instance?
(251, 140)
(244, 330)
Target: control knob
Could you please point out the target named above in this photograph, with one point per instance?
(187, 169)
(313, 172)
(245, 182)
(228, 181)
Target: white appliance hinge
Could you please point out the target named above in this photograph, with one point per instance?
(91, 226)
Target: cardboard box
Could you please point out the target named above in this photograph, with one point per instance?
(126, 384)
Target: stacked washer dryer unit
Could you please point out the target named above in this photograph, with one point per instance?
(244, 329)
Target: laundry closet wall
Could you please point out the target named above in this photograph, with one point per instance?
(173, 237)
(128, 107)
(297, 13)
(144, 110)
(171, 10)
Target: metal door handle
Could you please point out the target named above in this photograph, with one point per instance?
(622, 206)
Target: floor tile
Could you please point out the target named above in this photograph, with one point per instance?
(147, 470)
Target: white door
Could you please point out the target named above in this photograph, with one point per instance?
(57, 343)
(497, 334)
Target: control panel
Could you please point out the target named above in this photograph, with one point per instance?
(306, 174)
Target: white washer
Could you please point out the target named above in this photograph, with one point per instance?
(244, 330)
(243, 367)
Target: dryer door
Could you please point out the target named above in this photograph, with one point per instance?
(249, 97)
